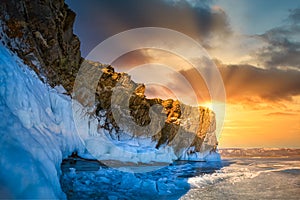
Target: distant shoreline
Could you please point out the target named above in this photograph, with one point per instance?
(259, 152)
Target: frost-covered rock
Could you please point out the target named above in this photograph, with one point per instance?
(134, 124)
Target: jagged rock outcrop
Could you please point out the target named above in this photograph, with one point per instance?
(41, 33)
(121, 106)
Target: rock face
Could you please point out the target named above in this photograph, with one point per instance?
(121, 106)
(41, 33)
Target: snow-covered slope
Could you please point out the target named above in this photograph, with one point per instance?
(36, 132)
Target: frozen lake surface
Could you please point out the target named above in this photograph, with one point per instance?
(249, 178)
(233, 178)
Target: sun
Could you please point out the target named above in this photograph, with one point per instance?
(207, 105)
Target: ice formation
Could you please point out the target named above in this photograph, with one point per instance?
(36, 130)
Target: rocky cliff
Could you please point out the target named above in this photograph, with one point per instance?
(40, 32)
(122, 107)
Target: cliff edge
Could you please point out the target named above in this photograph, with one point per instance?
(41, 34)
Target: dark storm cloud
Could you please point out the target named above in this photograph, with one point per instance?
(280, 78)
(247, 82)
(295, 15)
(96, 20)
(283, 44)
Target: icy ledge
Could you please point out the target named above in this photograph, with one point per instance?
(102, 144)
(36, 132)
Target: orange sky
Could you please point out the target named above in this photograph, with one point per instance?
(255, 116)
(262, 125)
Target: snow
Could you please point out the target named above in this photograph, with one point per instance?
(36, 132)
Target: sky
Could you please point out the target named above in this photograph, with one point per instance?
(255, 45)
